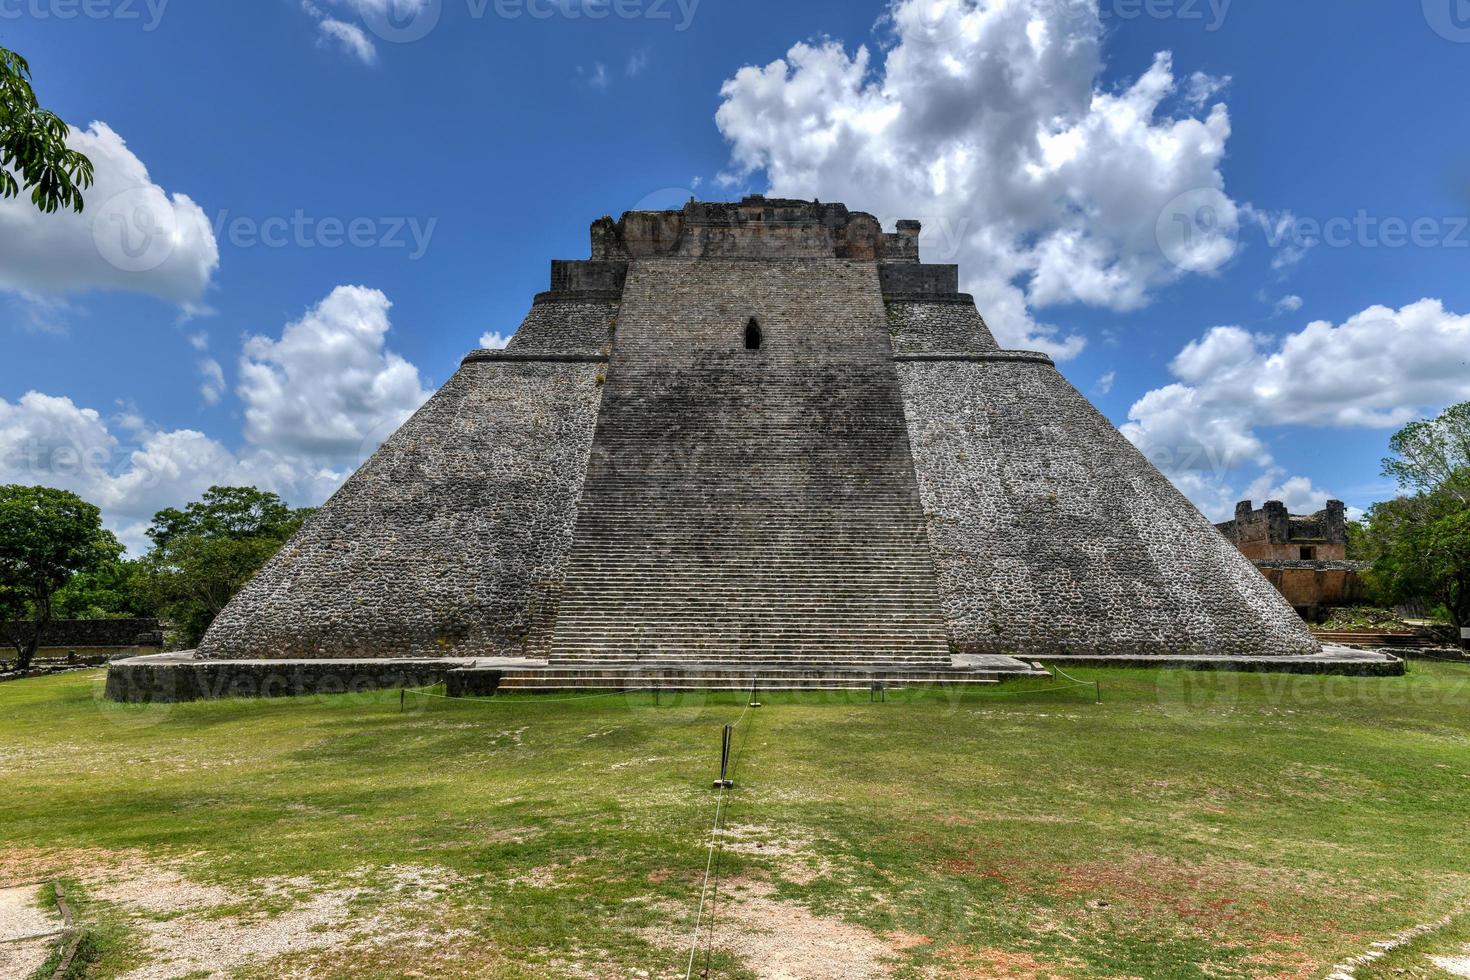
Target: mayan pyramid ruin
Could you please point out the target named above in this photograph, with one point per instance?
(751, 433)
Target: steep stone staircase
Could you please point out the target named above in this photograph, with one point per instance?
(750, 511)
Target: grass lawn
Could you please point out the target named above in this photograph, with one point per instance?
(1191, 825)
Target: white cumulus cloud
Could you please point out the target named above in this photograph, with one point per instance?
(987, 121)
(132, 235)
(212, 389)
(1378, 369)
(329, 381)
(319, 400)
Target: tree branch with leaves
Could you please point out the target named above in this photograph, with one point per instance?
(33, 151)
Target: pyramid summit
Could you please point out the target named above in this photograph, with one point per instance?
(755, 433)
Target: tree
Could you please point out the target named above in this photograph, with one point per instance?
(1434, 455)
(33, 150)
(46, 537)
(1420, 543)
(235, 513)
(204, 554)
(1420, 548)
(112, 590)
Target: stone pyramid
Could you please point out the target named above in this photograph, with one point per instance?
(755, 433)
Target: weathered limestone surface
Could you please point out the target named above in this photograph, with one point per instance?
(876, 484)
(1052, 534)
(452, 539)
(569, 323)
(938, 325)
(751, 505)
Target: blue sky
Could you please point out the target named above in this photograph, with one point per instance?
(1043, 143)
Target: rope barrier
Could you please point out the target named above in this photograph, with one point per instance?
(720, 854)
(709, 866)
(1462, 662)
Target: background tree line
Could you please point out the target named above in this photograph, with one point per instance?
(57, 561)
(1419, 542)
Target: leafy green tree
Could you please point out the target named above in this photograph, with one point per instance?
(1433, 456)
(204, 554)
(46, 538)
(1357, 541)
(235, 513)
(33, 150)
(112, 590)
(1420, 543)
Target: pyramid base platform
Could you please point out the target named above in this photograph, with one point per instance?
(180, 677)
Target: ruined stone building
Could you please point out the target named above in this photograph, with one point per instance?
(1305, 557)
(754, 433)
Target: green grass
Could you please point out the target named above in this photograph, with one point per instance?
(1191, 825)
(101, 940)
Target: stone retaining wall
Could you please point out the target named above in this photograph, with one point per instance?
(141, 682)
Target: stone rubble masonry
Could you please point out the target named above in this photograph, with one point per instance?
(751, 505)
(451, 540)
(1052, 534)
(877, 484)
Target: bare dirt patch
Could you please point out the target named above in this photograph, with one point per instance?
(779, 940)
(27, 931)
(1455, 966)
(794, 854)
(24, 865)
(21, 959)
(22, 915)
(183, 927)
(195, 930)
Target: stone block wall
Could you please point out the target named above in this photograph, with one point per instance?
(936, 325)
(745, 505)
(1312, 587)
(87, 638)
(453, 537)
(1273, 534)
(1052, 534)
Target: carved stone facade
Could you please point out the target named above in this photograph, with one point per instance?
(1271, 534)
(756, 433)
(1304, 556)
